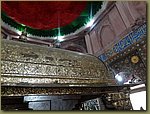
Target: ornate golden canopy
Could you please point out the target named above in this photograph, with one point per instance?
(31, 65)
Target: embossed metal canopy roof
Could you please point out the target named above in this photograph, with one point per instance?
(46, 18)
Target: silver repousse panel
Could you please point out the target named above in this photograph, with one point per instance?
(23, 63)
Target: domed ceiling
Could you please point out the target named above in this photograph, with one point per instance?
(46, 19)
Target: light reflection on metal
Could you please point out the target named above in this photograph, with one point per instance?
(127, 78)
(122, 77)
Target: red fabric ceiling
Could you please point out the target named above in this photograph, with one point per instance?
(43, 15)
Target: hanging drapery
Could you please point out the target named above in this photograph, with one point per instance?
(40, 18)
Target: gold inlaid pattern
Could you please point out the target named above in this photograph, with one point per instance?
(21, 91)
(15, 68)
(120, 100)
(43, 81)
